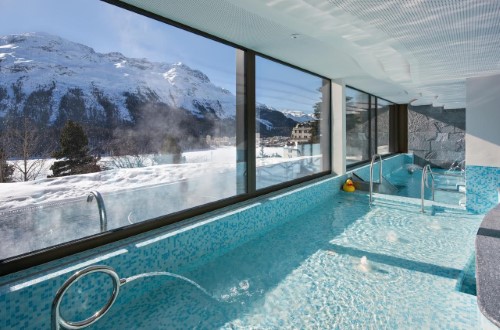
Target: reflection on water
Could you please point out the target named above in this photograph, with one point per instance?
(345, 267)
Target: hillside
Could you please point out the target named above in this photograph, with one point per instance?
(52, 80)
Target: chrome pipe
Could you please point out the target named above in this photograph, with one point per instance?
(371, 174)
(102, 209)
(426, 171)
(57, 320)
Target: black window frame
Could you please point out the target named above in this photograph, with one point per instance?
(373, 128)
(245, 62)
(328, 138)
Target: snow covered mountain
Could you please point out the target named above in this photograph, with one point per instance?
(53, 80)
(39, 61)
(298, 116)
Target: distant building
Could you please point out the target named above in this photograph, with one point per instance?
(221, 141)
(302, 132)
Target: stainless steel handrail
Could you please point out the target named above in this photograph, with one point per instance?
(371, 173)
(102, 209)
(426, 171)
(56, 318)
(57, 321)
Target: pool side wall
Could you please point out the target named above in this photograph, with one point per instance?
(389, 165)
(26, 296)
(482, 187)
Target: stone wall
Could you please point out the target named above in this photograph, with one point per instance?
(436, 135)
(383, 127)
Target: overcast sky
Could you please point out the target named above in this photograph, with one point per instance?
(107, 28)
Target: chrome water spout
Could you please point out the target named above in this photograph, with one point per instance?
(374, 157)
(102, 209)
(58, 321)
(426, 171)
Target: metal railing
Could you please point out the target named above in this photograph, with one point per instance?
(57, 320)
(458, 165)
(371, 173)
(426, 171)
(102, 209)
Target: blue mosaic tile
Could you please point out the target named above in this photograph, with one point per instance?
(482, 187)
(26, 297)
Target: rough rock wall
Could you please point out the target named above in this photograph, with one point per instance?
(436, 135)
(383, 127)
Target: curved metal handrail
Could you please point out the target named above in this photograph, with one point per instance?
(371, 173)
(56, 318)
(426, 171)
(102, 209)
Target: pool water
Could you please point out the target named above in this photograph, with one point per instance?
(467, 281)
(342, 265)
(449, 189)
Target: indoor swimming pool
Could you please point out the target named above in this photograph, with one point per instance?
(449, 185)
(405, 180)
(343, 267)
(310, 256)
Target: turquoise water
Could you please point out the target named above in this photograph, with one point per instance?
(409, 184)
(343, 265)
(467, 281)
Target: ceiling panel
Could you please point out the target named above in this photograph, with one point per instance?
(398, 49)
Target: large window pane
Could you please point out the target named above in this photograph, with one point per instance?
(357, 126)
(102, 99)
(383, 125)
(291, 123)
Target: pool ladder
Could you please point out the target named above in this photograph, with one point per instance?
(426, 172)
(371, 174)
(102, 209)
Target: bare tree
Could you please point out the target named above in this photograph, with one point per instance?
(26, 143)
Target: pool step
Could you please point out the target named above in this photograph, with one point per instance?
(466, 282)
(414, 204)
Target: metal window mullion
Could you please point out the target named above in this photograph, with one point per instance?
(376, 125)
(245, 118)
(325, 129)
(250, 104)
(370, 141)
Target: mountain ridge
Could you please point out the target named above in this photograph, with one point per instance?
(119, 100)
(46, 59)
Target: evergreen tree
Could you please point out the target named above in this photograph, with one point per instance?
(74, 152)
(6, 170)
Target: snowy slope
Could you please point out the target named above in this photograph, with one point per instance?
(37, 61)
(298, 116)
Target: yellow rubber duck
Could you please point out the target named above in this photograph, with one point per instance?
(348, 186)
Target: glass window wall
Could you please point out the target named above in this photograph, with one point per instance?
(383, 125)
(357, 126)
(102, 102)
(114, 119)
(368, 122)
(292, 123)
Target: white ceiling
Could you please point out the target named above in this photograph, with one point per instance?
(402, 50)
